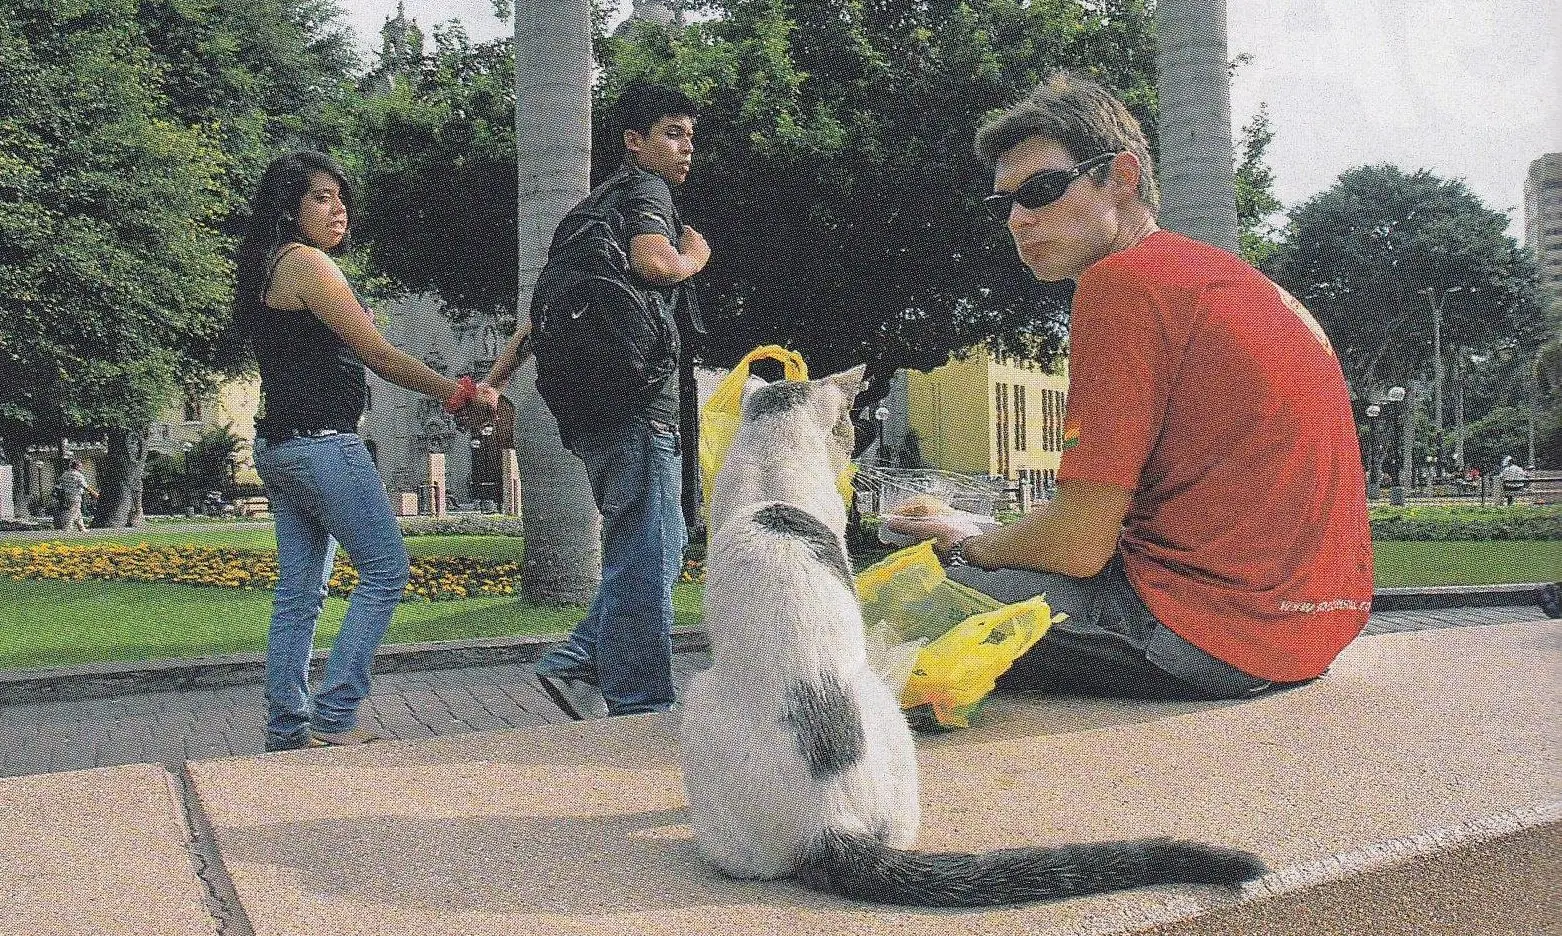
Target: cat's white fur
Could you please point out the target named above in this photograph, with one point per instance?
(755, 804)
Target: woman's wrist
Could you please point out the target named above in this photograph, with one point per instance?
(465, 392)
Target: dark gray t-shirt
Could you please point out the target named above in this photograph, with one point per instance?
(648, 208)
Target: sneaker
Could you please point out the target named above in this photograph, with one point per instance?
(559, 666)
(576, 697)
(347, 738)
(295, 743)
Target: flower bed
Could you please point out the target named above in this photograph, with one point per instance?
(433, 578)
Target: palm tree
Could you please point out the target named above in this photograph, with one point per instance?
(1198, 188)
(553, 142)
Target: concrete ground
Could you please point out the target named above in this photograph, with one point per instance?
(1414, 744)
(171, 727)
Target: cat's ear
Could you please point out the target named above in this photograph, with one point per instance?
(848, 382)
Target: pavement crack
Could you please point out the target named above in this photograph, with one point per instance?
(222, 898)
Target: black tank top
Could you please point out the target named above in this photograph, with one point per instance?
(309, 378)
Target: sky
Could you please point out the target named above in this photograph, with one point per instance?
(1468, 89)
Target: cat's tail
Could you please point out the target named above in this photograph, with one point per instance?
(862, 868)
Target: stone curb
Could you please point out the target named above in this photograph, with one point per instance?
(105, 680)
(1439, 597)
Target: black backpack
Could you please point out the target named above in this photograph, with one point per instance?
(605, 345)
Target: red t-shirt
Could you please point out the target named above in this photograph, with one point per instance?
(1214, 396)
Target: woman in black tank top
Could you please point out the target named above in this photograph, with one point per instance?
(313, 341)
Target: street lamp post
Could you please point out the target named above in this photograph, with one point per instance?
(1396, 493)
(1373, 489)
(881, 416)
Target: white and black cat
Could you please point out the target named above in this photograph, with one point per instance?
(796, 758)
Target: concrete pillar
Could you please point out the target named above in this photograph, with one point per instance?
(510, 482)
(436, 481)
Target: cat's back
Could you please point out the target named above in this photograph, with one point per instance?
(788, 726)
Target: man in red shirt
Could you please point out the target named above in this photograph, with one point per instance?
(1209, 536)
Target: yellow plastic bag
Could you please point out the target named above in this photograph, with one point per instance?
(722, 414)
(973, 638)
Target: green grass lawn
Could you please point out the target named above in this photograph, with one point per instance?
(1466, 563)
(48, 623)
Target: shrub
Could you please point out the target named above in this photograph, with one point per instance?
(465, 525)
(1443, 524)
(433, 578)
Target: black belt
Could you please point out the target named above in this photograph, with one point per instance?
(283, 435)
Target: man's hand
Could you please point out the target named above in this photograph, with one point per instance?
(693, 246)
(480, 412)
(943, 530)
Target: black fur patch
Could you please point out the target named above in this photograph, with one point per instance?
(828, 725)
(786, 520)
(776, 398)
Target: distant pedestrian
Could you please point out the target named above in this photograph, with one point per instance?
(313, 339)
(67, 498)
(1513, 479)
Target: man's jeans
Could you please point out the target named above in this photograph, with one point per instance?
(636, 477)
(1110, 644)
(324, 491)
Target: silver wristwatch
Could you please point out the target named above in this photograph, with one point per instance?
(956, 554)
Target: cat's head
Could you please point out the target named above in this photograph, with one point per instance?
(825, 404)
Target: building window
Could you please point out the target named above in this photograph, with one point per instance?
(1019, 418)
(1001, 409)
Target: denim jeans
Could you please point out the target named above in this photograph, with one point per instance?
(324, 491)
(1110, 644)
(636, 477)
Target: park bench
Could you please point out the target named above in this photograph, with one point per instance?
(1545, 487)
(251, 506)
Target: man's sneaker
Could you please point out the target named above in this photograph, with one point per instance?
(295, 743)
(575, 697)
(347, 738)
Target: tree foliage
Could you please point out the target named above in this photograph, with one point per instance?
(110, 264)
(1363, 256)
(835, 177)
(435, 146)
(1256, 201)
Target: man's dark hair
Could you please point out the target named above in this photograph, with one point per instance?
(73, 463)
(1078, 115)
(640, 105)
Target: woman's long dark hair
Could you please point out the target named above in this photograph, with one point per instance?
(273, 221)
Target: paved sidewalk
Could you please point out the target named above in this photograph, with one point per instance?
(197, 724)
(1355, 789)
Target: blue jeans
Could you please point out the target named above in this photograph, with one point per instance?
(636, 475)
(1110, 644)
(324, 491)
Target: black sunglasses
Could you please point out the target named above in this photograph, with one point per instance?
(1041, 189)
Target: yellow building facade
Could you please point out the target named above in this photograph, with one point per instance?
(234, 404)
(990, 414)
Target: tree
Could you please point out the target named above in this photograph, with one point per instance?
(1393, 263)
(1198, 194)
(112, 268)
(1255, 187)
(553, 141)
(835, 176)
(434, 142)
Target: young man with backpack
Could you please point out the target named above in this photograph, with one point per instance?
(604, 329)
